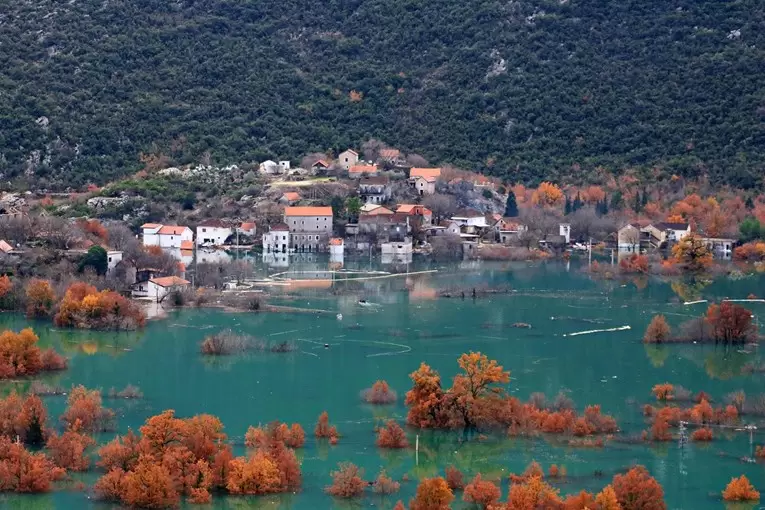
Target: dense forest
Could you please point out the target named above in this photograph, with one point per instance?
(523, 89)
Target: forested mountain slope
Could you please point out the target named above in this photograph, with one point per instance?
(527, 89)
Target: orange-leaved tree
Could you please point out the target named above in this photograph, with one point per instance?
(40, 298)
(384, 484)
(392, 436)
(475, 390)
(85, 412)
(692, 253)
(25, 419)
(324, 430)
(547, 195)
(638, 490)
(68, 450)
(663, 391)
(425, 399)
(432, 494)
(658, 331)
(20, 355)
(730, 323)
(607, 500)
(740, 489)
(84, 306)
(347, 481)
(379, 393)
(481, 492)
(23, 471)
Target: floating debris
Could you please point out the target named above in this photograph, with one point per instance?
(621, 328)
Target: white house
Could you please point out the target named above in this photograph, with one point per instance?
(277, 240)
(166, 236)
(564, 229)
(336, 248)
(158, 288)
(213, 233)
(248, 228)
(470, 220)
(113, 257)
(348, 158)
(674, 231)
(424, 179)
(270, 167)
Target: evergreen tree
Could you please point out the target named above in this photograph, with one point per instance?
(96, 258)
(577, 203)
(567, 207)
(511, 207)
(750, 229)
(749, 203)
(644, 201)
(617, 201)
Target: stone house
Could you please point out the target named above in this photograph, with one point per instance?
(290, 197)
(159, 287)
(347, 159)
(310, 227)
(424, 179)
(166, 236)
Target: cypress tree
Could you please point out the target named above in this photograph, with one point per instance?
(577, 203)
(511, 207)
(567, 207)
(617, 201)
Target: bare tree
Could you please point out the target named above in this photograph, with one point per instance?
(371, 149)
(446, 246)
(416, 160)
(120, 236)
(16, 230)
(443, 206)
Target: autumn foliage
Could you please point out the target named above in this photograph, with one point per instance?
(379, 393)
(347, 481)
(85, 307)
(476, 400)
(20, 355)
(692, 253)
(730, 322)
(292, 437)
(324, 430)
(547, 195)
(751, 252)
(40, 298)
(638, 490)
(432, 494)
(740, 489)
(385, 485)
(23, 418)
(85, 411)
(481, 492)
(658, 331)
(174, 457)
(68, 451)
(23, 471)
(392, 436)
(634, 264)
(663, 392)
(702, 434)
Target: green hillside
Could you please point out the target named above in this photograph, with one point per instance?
(524, 89)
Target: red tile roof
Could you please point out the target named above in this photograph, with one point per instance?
(414, 210)
(336, 241)
(425, 172)
(151, 225)
(172, 230)
(187, 245)
(321, 162)
(378, 211)
(308, 211)
(249, 225)
(169, 281)
(291, 196)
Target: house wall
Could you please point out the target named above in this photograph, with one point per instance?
(402, 248)
(309, 241)
(212, 235)
(309, 224)
(424, 187)
(174, 241)
(347, 159)
(112, 259)
(150, 239)
(276, 241)
(628, 237)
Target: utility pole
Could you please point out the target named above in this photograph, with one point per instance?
(590, 252)
(751, 428)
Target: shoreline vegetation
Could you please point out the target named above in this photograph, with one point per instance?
(171, 459)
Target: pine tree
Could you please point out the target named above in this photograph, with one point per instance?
(637, 205)
(749, 203)
(577, 203)
(567, 207)
(511, 207)
(644, 200)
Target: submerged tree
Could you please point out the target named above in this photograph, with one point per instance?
(730, 323)
(658, 331)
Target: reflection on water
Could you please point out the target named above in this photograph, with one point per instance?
(613, 369)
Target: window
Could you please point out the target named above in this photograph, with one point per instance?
(317, 238)
(204, 230)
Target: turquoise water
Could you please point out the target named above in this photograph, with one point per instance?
(406, 325)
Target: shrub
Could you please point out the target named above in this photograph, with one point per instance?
(40, 298)
(20, 355)
(481, 492)
(663, 392)
(637, 490)
(85, 412)
(347, 481)
(23, 471)
(85, 307)
(658, 331)
(740, 489)
(323, 428)
(702, 434)
(225, 342)
(392, 436)
(379, 393)
(634, 264)
(385, 485)
(128, 392)
(68, 450)
(454, 478)
(432, 494)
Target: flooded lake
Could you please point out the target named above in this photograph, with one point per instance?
(406, 323)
